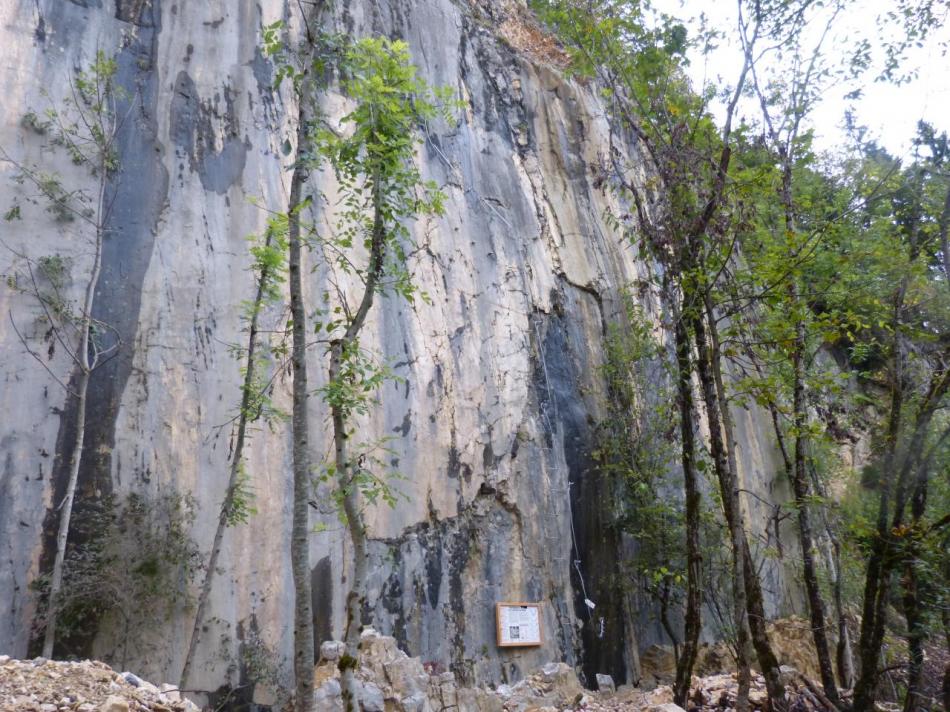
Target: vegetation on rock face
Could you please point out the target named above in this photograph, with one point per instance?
(126, 571)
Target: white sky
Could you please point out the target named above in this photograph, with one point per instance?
(890, 112)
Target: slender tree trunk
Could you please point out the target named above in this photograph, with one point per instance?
(728, 488)
(871, 632)
(227, 505)
(85, 366)
(886, 555)
(916, 631)
(346, 473)
(300, 532)
(349, 663)
(944, 230)
(694, 558)
(799, 476)
(915, 637)
(664, 596)
(66, 511)
(728, 431)
(844, 655)
(945, 616)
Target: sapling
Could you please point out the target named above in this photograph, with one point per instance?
(85, 125)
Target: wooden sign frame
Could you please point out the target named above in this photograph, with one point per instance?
(526, 644)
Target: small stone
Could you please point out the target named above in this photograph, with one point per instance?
(131, 678)
(666, 707)
(114, 703)
(551, 671)
(605, 683)
(47, 708)
(332, 650)
(414, 703)
(38, 662)
(4, 659)
(136, 681)
(369, 634)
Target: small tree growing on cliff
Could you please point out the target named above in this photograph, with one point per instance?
(85, 126)
(381, 189)
(269, 255)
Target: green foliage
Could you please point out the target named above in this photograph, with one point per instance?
(635, 448)
(132, 560)
(372, 158)
(269, 267)
(84, 124)
(241, 501)
(381, 190)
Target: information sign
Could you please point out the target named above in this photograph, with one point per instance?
(518, 624)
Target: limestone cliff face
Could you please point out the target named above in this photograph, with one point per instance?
(492, 424)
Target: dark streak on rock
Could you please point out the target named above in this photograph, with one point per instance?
(193, 133)
(321, 593)
(138, 195)
(559, 386)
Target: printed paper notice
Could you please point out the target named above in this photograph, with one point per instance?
(518, 624)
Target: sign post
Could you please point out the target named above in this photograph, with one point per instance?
(518, 624)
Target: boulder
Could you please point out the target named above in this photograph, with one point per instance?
(371, 698)
(332, 650)
(605, 683)
(657, 663)
(328, 697)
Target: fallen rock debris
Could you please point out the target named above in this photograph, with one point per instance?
(389, 681)
(42, 685)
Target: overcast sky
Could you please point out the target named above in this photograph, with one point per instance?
(890, 112)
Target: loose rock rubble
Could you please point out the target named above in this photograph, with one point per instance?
(392, 681)
(389, 681)
(42, 685)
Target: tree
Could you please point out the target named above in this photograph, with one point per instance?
(269, 268)
(785, 102)
(302, 68)
(683, 227)
(371, 157)
(85, 126)
(904, 349)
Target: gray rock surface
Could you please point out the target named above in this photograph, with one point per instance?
(492, 425)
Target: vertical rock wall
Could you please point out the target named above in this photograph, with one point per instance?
(491, 424)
